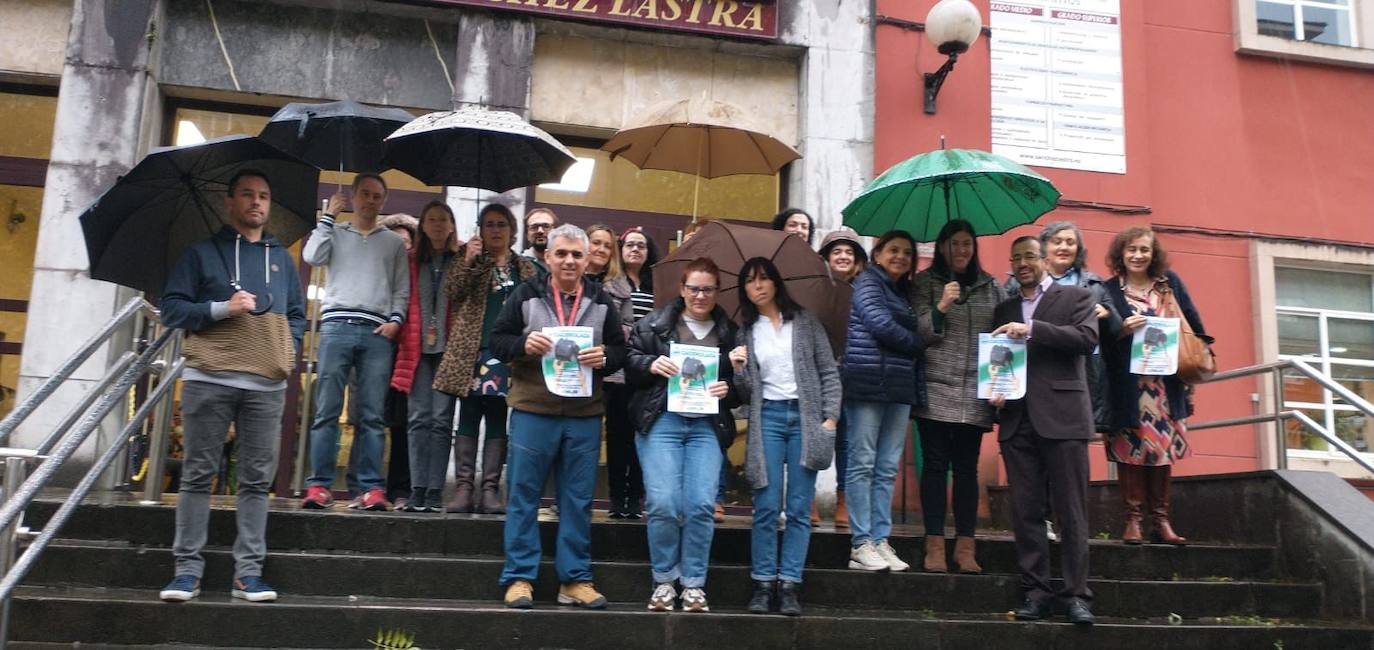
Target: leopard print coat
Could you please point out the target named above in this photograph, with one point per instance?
(468, 287)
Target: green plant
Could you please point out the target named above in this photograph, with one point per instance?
(1278, 645)
(1103, 535)
(1218, 579)
(1247, 619)
(393, 640)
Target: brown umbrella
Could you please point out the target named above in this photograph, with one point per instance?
(728, 245)
(704, 137)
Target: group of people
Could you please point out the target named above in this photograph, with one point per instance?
(461, 329)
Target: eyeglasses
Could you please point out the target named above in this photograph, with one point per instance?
(635, 245)
(1027, 258)
(699, 291)
(539, 226)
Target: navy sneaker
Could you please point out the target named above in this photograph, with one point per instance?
(181, 589)
(253, 589)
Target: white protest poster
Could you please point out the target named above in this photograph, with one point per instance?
(1057, 98)
(563, 375)
(698, 367)
(1001, 367)
(1154, 347)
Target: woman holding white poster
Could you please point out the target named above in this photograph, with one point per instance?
(1148, 410)
(678, 367)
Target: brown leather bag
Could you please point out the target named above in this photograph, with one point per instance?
(1196, 360)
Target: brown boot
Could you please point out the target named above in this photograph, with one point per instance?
(815, 515)
(464, 462)
(1131, 481)
(493, 460)
(841, 512)
(935, 555)
(1158, 479)
(963, 555)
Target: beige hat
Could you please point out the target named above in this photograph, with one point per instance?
(846, 235)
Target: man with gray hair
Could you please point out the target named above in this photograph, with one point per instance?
(547, 431)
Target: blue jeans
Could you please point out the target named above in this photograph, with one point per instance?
(877, 435)
(350, 344)
(539, 444)
(429, 427)
(782, 444)
(680, 458)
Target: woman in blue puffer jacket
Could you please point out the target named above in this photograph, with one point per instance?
(881, 375)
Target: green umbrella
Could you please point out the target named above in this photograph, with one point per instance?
(921, 194)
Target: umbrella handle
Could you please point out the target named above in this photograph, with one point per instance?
(261, 310)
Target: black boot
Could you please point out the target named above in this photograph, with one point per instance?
(789, 603)
(762, 600)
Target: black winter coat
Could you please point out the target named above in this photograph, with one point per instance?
(1124, 392)
(651, 338)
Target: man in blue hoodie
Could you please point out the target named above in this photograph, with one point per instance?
(238, 297)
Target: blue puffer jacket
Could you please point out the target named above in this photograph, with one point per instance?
(882, 354)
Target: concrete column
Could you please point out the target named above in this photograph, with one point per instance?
(837, 90)
(107, 116)
(836, 120)
(494, 64)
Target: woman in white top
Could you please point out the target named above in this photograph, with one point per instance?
(786, 371)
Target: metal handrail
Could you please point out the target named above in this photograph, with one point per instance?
(1275, 370)
(160, 358)
(64, 372)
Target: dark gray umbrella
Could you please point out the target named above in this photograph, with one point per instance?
(476, 147)
(139, 228)
(339, 136)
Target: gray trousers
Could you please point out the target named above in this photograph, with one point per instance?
(206, 411)
(429, 427)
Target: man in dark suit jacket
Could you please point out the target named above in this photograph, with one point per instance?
(1044, 436)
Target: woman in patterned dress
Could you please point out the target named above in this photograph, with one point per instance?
(1148, 411)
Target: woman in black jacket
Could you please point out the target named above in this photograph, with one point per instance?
(1148, 411)
(679, 451)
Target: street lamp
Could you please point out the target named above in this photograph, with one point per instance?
(952, 27)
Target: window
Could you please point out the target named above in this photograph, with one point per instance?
(1326, 318)
(1323, 21)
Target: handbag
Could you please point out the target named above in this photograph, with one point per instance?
(1196, 360)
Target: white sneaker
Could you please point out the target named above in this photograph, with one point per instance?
(694, 600)
(663, 598)
(1049, 531)
(866, 558)
(890, 556)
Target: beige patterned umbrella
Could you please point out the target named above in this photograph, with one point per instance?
(703, 137)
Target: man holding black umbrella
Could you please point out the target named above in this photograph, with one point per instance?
(364, 306)
(238, 297)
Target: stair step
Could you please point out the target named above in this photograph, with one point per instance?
(475, 578)
(132, 616)
(481, 535)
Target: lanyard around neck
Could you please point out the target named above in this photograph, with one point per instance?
(558, 303)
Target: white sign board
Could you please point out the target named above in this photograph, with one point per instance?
(1056, 84)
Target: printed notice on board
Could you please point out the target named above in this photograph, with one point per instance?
(699, 367)
(1154, 347)
(1001, 366)
(1056, 84)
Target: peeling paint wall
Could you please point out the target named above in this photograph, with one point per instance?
(35, 36)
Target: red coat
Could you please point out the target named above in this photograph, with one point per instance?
(408, 344)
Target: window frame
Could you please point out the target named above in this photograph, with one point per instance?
(1248, 39)
(1350, 9)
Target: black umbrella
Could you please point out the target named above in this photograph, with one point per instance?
(476, 147)
(340, 136)
(139, 228)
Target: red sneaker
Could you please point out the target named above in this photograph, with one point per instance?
(375, 499)
(317, 497)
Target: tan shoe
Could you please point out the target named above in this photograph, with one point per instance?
(581, 594)
(841, 512)
(815, 515)
(963, 556)
(520, 595)
(935, 555)
(720, 513)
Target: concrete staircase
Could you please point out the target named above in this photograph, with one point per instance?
(345, 575)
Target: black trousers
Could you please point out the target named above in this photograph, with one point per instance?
(946, 446)
(1042, 470)
(623, 476)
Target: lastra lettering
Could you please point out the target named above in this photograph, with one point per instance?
(618, 9)
(695, 16)
(754, 20)
(671, 10)
(725, 9)
(555, 4)
(584, 6)
(647, 9)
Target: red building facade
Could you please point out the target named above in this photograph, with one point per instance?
(1253, 151)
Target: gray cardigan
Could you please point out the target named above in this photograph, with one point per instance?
(818, 390)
